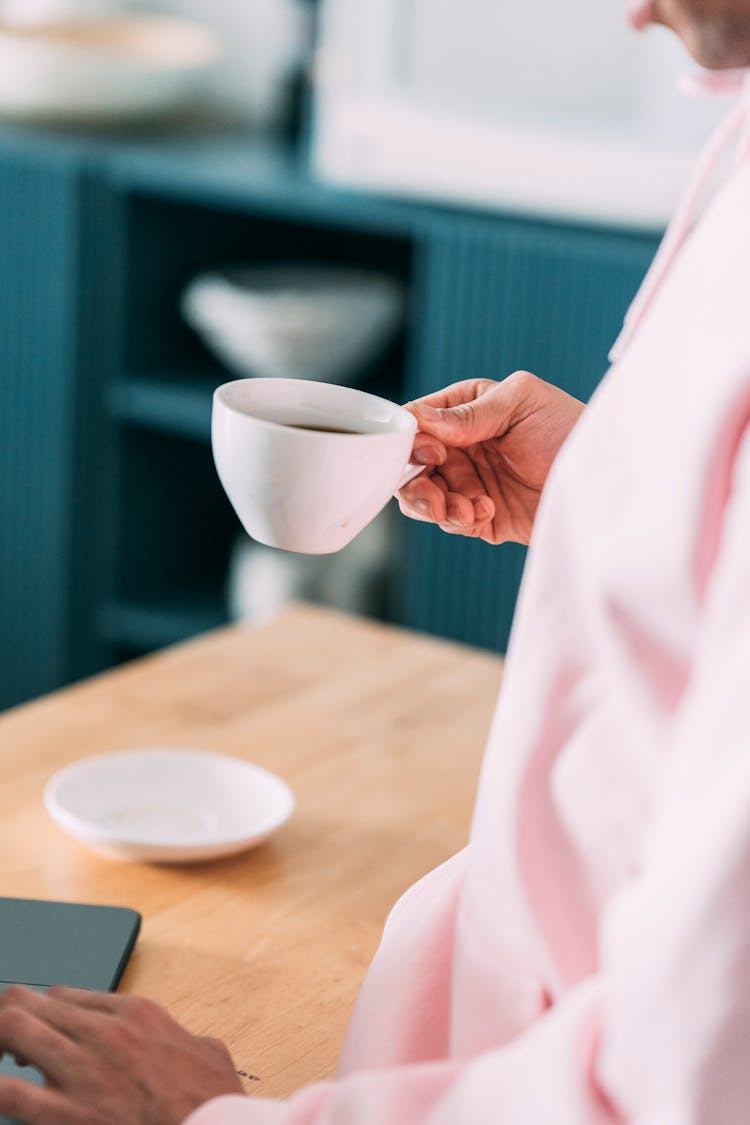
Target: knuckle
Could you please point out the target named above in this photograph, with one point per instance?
(125, 1041)
(137, 1019)
(484, 386)
(57, 991)
(13, 1021)
(466, 413)
(140, 1008)
(522, 381)
(62, 992)
(13, 994)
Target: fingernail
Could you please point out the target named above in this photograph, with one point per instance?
(429, 412)
(423, 507)
(483, 509)
(454, 516)
(427, 455)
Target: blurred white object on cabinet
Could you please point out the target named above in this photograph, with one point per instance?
(262, 581)
(265, 42)
(103, 69)
(295, 322)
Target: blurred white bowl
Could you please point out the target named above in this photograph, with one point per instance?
(295, 322)
(103, 69)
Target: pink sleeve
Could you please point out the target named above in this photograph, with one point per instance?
(660, 1035)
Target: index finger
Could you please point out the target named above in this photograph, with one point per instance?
(86, 998)
(454, 395)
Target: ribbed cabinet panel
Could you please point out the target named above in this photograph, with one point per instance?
(38, 281)
(495, 296)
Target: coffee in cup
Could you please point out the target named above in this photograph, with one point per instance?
(308, 465)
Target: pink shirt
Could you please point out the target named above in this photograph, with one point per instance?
(587, 958)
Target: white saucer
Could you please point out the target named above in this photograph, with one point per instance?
(173, 806)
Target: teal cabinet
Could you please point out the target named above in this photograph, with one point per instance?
(41, 201)
(497, 295)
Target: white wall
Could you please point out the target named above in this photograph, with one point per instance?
(545, 56)
(554, 60)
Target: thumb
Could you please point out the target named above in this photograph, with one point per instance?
(485, 417)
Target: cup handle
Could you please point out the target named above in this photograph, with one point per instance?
(412, 471)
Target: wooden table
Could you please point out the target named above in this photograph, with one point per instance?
(379, 732)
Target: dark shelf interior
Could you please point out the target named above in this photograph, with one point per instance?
(174, 529)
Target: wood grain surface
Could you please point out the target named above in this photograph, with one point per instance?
(380, 733)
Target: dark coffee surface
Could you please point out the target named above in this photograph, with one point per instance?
(323, 429)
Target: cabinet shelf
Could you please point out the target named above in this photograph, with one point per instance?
(180, 404)
(173, 404)
(143, 625)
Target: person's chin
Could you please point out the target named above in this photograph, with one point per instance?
(714, 52)
(712, 47)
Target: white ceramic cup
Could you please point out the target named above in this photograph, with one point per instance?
(304, 489)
